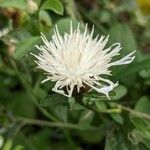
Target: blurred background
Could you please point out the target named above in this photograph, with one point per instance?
(32, 117)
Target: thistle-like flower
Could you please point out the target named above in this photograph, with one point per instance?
(77, 60)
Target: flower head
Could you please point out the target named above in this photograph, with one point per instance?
(77, 60)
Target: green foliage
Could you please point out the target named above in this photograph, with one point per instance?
(54, 5)
(19, 4)
(33, 117)
(25, 47)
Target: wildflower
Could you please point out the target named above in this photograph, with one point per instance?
(77, 60)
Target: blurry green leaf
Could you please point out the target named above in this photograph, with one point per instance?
(19, 147)
(123, 34)
(64, 25)
(74, 105)
(53, 100)
(141, 133)
(45, 21)
(40, 139)
(145, 73)
(19, 4)
(117, 117)
(120, 91)
(21, 104)
(91, 137)
(143, 105)
(119, 141)
(134, 68)
(54, 5)
(101, 106)
(86, 118)
(39, 92)
(8, 145)
(61, 112)
(25, 46)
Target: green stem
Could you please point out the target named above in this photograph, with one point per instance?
(118, 109)
(136, 113)
(90, 107)
(54, 124)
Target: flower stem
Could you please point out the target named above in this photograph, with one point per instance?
(54, 124)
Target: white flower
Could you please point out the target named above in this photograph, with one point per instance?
(77, 59)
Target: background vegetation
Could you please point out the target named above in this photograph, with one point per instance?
(32, 117)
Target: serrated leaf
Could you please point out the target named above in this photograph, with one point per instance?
(25, 46)
(54, 5)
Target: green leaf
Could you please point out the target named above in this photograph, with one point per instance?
(101, 106)
(141, 133)
(25, 46)
(19, 147)
(120, 91)
(119, 141)
(54, 5)
(86, 118)
(117, 117)
(45, 21)
(64, 25)
(134, 68)
(123, 34)
(53, 100)
(74, 105)
(8, 145)
(19, 4)
(143, 105)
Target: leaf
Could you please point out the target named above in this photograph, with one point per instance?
(143, 105)
(54, 5)
(8, 145)
(118, 118)
(45, 21)
(134, 68)
(19, 147)
(25, 46)
(86, 118)
(123, 34)
(120, 91)
(64, 25)
(53, 100)
(119, 141)
(141, 133)
(19, 4)
(74, 105)
(101, 106)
